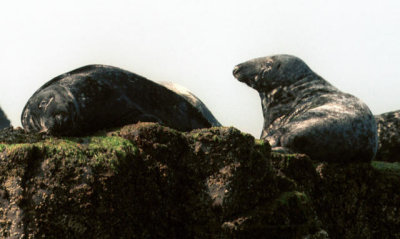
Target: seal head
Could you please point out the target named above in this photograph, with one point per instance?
(52, 109)
(268, 73)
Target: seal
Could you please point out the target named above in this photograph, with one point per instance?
(193, 100)
(388, 125)
(97, 97)
(4, 121)
(304, 113)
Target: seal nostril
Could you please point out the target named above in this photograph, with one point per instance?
(236, 70)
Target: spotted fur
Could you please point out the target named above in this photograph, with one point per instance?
(306, 114)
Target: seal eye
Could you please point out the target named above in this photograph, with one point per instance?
(264, 72)
(44, 103)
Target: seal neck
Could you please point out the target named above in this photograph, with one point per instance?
(284, 101)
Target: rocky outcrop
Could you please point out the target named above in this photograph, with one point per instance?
(149, 181)
(388, 125)
(4, 121)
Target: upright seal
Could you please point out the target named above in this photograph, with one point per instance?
(97, 97)
(304, 113)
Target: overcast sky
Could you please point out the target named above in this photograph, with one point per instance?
(355, 45)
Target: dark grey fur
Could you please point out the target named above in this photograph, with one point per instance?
(389, 136)
(306, 114)
(4, 121)
(97, 97)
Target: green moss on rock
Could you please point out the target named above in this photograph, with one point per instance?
(149, 181)
(387, 167)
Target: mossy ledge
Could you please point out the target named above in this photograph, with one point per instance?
(149, 181)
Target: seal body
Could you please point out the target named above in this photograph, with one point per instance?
(4, 121)
(389, 136)
(97, 97)
(304, 113)
(193, 100)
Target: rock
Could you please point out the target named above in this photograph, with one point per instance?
(388, 125)
(17, 135)
(360, 200)
(149, 181)
(4, 122)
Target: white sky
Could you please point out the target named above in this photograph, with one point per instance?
(355, 45)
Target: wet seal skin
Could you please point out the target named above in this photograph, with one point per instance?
(97, 97)
(304, 113)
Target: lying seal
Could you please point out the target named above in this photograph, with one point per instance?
(4, 121)
(194, 100)
(306, 114)
(97, 97)
(389, 136)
